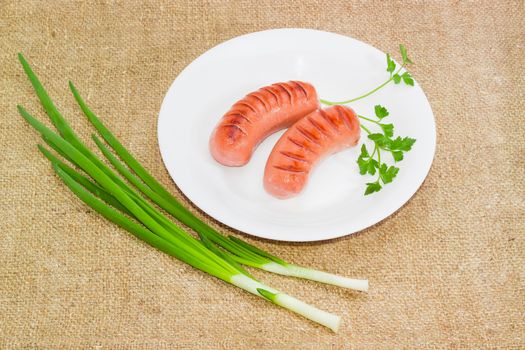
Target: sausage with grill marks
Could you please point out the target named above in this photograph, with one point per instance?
(302, 146)
(258, 115)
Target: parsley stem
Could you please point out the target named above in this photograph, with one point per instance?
(325, 102)
(365, 129)
(370, 120)
(379, 163)
(374, 152)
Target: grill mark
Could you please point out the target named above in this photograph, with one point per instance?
(275, 96)
(285, 88)
(239, 114)
(254, 94)
(300, 145)
(235, 126)
(318, 126)
(307, 135)
(294, 86)
(329, 121)
(345, 119)
(294, 156)
(350, 120)
(246, 104)
(301, 87)
(281, 89)
(289, 168)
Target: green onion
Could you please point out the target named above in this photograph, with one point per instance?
(245, 253)
(329, 320)
(109, 195)
(84, 181)
(180, 245)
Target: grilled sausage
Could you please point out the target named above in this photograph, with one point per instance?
(256, 116)
(302, 146)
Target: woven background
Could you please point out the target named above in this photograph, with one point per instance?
(446, 271)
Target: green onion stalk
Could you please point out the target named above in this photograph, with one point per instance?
(114, 197)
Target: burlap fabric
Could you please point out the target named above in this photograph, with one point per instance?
(446, 271)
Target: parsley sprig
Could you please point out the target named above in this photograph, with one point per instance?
(391, 67)
(394, 76)
(370, 162)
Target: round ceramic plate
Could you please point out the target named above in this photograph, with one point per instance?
(332, 204)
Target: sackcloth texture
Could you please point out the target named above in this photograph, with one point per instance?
(446, 271)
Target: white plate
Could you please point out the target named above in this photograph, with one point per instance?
(332, 204)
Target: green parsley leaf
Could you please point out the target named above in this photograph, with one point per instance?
(381, 112)
(403, 51)
(396, 78)
(398, 155)
(364, 152)
(372, 187)
(363, 165)
(401, 144)
(367, 165)
(387, 174)
(390, 64)
(407, 78)
(372, 166)
(380, 139)
(388, 129)
(383, 169)
(377, 137)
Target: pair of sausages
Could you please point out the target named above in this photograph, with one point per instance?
(312, 135)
